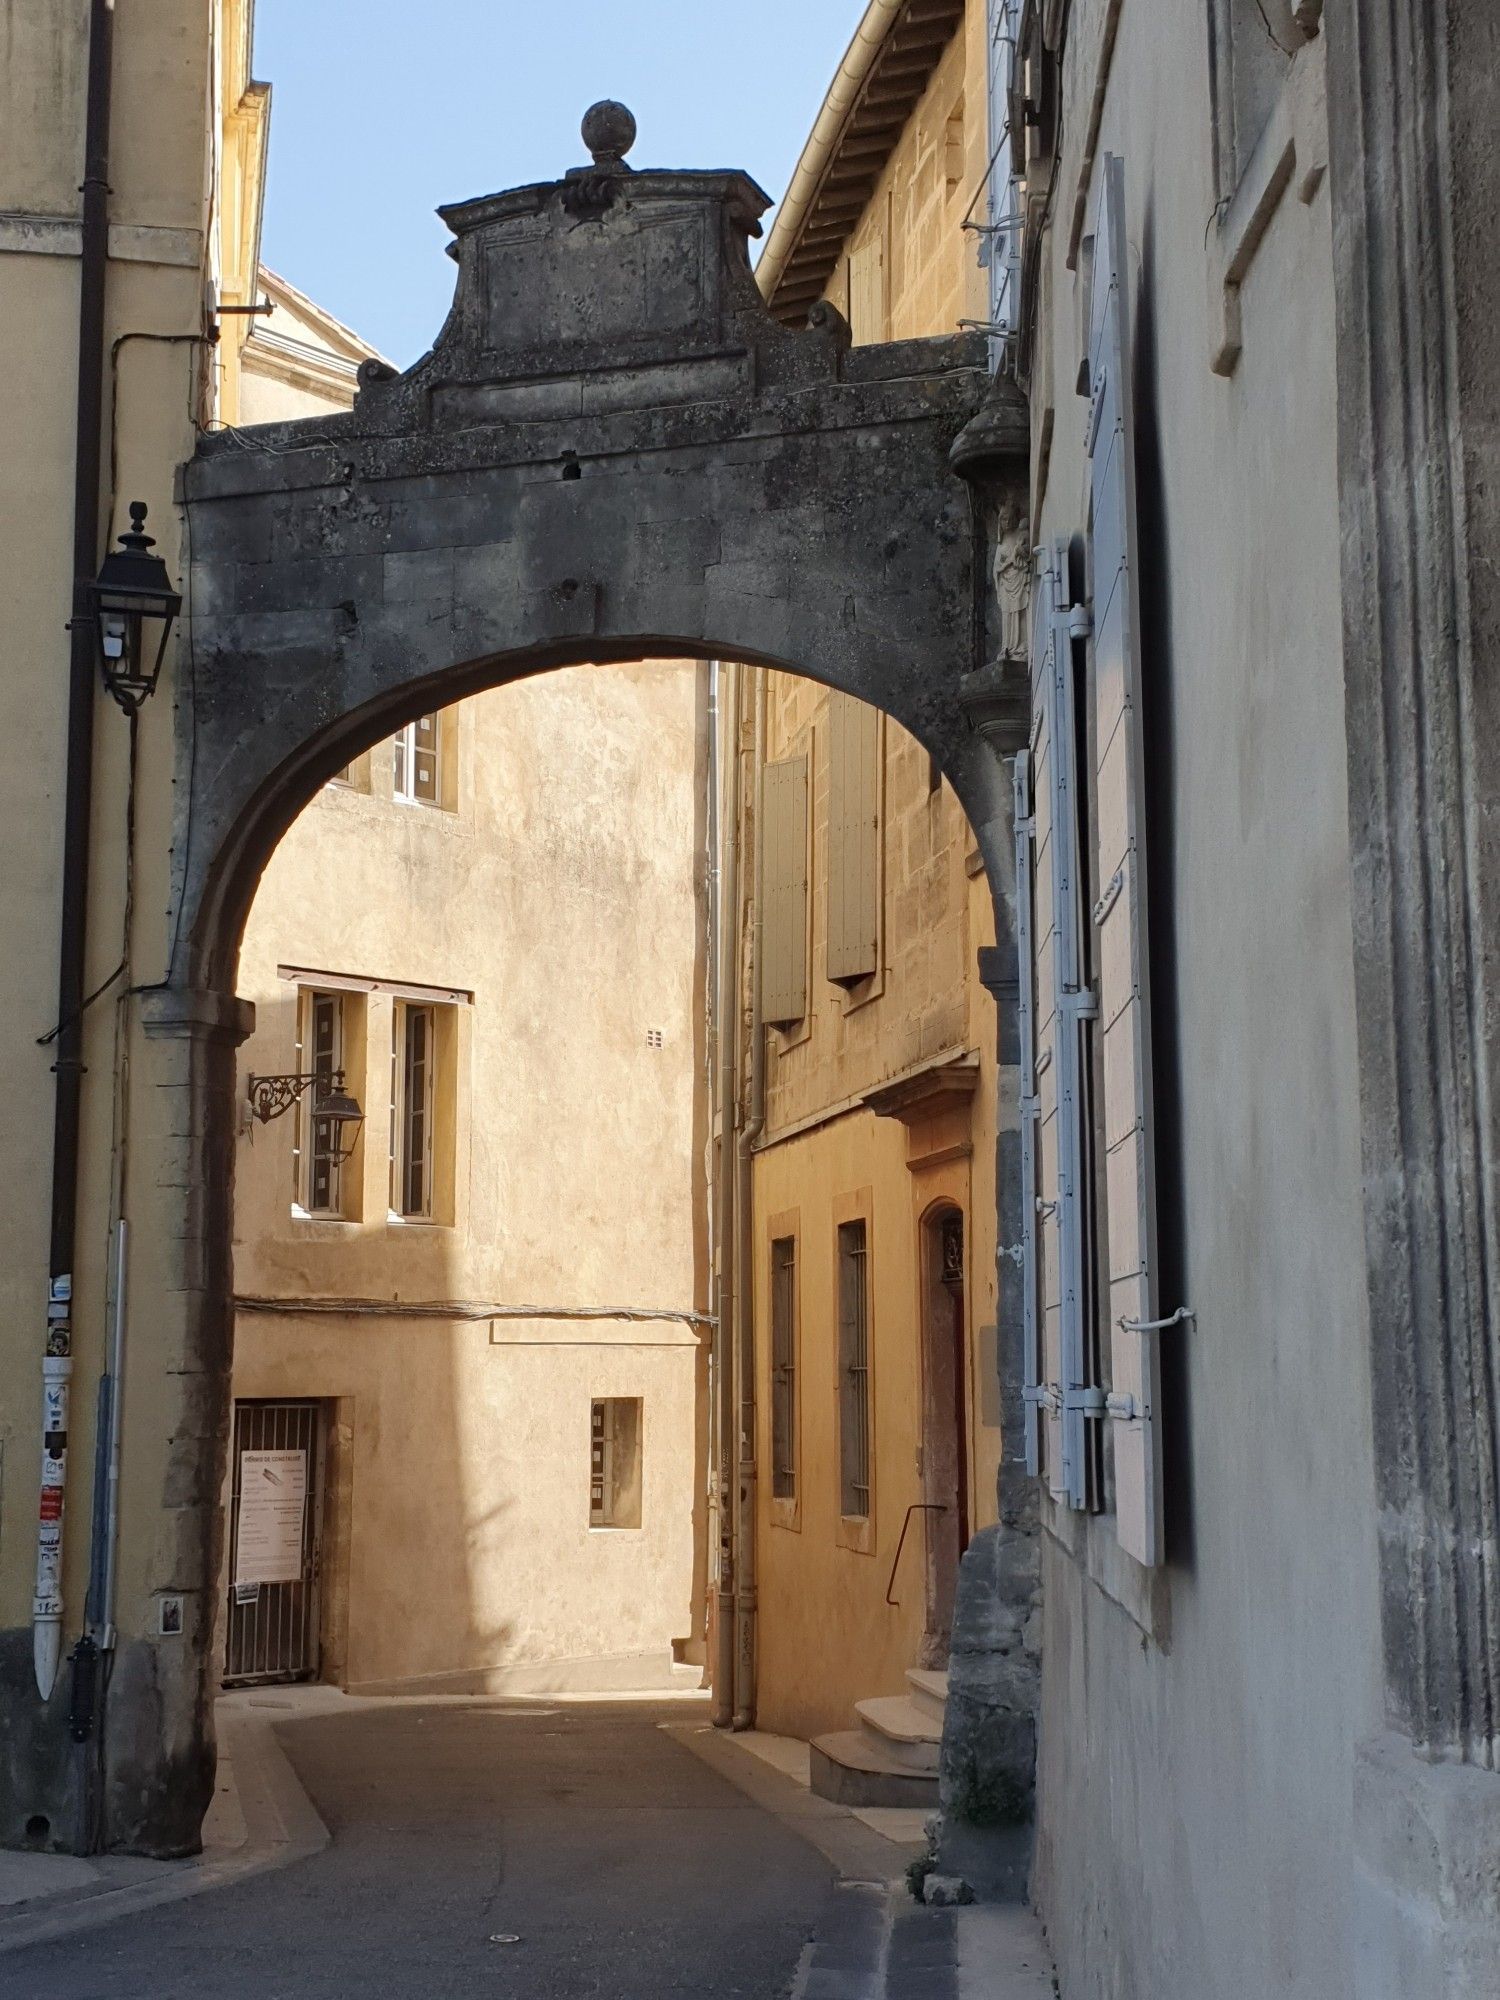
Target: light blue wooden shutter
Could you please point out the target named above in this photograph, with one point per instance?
(1031, 1349)
(1074, 1003)
(1062, 1005)
(1120, 915)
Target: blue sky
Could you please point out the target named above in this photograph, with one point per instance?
(380, 111)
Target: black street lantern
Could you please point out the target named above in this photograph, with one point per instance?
(270, 1096)
(132, 594)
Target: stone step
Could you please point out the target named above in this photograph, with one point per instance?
(845, 1766)
(901, 1730)
(929, 1690)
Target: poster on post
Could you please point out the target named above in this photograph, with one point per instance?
(273, 1503)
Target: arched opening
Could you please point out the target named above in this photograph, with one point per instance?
(853, 1411)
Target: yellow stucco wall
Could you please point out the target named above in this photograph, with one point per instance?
(925, 1002)
(167, 103)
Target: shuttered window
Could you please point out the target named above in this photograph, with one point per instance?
(854, 1369)
(1120, 915)
(784, 1368)
(853, 839)
(1031, 1349)
(1064, 1004)
(783, 876)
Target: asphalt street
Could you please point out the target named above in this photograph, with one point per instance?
(509, 1851)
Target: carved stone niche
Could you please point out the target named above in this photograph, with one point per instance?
(996, 696)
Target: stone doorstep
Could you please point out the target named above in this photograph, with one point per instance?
(848, 1768)
(260, 1818)
(900, 1730)
(929, 1690)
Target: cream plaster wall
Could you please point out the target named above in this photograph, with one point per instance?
(569, 910)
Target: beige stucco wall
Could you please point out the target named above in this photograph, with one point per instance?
(925, 1003)
(577, 1169)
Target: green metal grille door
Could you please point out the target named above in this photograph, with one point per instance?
(274, 1528)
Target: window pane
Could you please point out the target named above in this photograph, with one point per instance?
(615, 1462)
(784, 1368)
(321, 1193)
(416, 1092)
(398, 748)
(425, 758)
(854, 1372)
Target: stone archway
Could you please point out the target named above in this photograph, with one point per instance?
(613, 451)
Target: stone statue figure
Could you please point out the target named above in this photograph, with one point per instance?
(1011, 575)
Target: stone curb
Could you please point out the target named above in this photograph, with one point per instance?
(281, 1826)
(856, 1851)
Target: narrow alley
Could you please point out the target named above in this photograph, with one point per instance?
(531, 1851)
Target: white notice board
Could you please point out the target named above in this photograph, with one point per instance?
(273, 1502)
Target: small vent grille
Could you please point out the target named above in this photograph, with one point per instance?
(653, 1038)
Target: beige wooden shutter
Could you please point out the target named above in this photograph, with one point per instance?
(1120, 914)
(783, 889)
(853, 838)
(867, 315)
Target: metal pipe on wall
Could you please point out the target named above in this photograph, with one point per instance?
(57, 1364)
(753, 1125)
(725, 945)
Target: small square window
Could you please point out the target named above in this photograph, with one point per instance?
(615, 1462)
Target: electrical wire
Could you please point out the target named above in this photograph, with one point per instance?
(459, 1309)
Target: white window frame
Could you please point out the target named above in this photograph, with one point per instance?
(404, 753)
(402, 1111)
(309, 1000)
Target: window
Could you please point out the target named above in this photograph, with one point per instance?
(322, 1042)
(615, 1462)
(413, 1106)
(853, 840)
(417, 768)
(1252, 46)
(854, 1370)
(784, 1368)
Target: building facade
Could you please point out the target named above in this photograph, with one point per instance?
(1232, 793)
(866, 908)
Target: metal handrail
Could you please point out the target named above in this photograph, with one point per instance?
(916, 1507)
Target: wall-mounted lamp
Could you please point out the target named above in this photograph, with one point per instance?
(270, 1096)
(133, 594)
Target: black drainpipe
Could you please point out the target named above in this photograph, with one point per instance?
(92, 274)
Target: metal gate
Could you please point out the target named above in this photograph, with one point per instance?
(275, 1527)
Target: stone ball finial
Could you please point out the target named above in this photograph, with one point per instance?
(608, 131)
